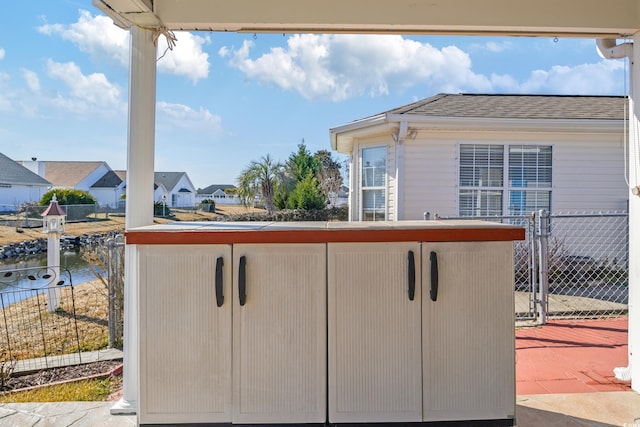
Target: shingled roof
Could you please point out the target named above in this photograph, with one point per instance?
(518, 107)
(109, 180)
(14, 173)
(68, 173)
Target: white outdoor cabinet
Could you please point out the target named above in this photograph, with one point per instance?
(185, 339)
(316, 323)
(259, 357)
(279, 334)
(421, 331)
(375, 355)
(468, 331)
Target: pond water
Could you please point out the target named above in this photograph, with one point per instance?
(71, 265)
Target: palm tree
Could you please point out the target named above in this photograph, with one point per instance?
(260, 178)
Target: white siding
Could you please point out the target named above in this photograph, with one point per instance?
(15, 195)
(430, 178)
(589, 175)
(588, 171)
(106, 196)
(178, 199)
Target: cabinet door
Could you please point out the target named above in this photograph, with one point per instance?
(375, 369)
(279, 364)
(468, 331)
(185, 337)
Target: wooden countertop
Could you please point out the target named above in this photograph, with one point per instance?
(183, 233)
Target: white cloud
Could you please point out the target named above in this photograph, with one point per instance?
(187, 57)
(32, 80)
(87, 93)
(183, 116)
(602, 78)
(2, 53)
(94, 35)
(100, 39)
(340, 67)
(497, 47)
(492, 46)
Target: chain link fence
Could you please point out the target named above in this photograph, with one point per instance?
(573, 265)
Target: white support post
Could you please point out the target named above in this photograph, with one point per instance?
(634, 217)
(53, 262)
(139, 196)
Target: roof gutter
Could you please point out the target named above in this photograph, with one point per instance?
(610, 49)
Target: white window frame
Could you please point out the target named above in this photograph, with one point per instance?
(384, 187)
(507, 188)
(512, 188)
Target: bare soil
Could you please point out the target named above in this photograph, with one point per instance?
(9, 235)
(48, 376)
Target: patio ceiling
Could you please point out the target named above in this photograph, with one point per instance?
(579, 18)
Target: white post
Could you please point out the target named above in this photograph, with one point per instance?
(634, 218)
(139, 199)
(53, 263)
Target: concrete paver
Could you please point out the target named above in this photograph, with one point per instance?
(62, 414)
(618, 408)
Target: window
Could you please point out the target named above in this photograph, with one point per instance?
(529, 179)
(484, 172)
(373, 179)
(481, 180)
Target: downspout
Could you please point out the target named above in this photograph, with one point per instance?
(610, 49)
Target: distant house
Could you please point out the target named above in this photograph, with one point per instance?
(216, 192)
(19, 185)
(96, 178)
(180, 192)
(487, 155)
(107, 190)
(159, 191)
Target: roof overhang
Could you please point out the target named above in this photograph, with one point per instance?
(343, 137)
(580, 18)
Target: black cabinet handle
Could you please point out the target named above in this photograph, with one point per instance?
(412, 276)
(242, 281)
(219, 284)
(433, 292)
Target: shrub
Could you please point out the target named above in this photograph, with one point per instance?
(306, 195)
(68, 196)
(160, 209)
(208, 205)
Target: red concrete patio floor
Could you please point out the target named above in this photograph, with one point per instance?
(571, 356)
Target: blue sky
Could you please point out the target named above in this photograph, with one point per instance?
(226, 99)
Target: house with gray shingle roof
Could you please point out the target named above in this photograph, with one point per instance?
(217, 192)
(180, 190)
(19, 185)
(159, 190)
(94, 177)
(485, 155)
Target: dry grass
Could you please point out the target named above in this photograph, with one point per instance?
(32, 331)
(85, 390)
(115, 223)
